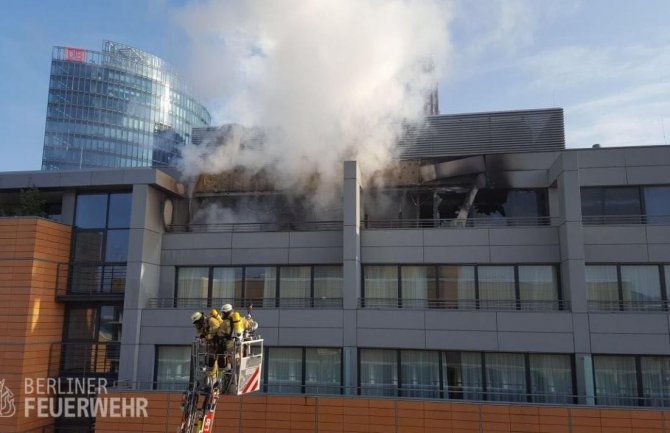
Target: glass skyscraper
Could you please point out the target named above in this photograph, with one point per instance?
(119, 107)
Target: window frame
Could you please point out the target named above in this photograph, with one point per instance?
(154, 385)
(663, 280)
(303, 384)
(435, 302)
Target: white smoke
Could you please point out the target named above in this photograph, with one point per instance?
(327, 80)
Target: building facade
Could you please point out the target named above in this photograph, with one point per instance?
(546, 283)
(119, 107)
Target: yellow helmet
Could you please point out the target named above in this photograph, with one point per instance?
(196, 316)
(213, 312)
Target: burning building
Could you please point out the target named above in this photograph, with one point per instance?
(486, 263)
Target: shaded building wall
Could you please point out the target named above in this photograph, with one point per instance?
(31, 250)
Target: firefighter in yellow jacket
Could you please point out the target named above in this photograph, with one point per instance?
(214, 346)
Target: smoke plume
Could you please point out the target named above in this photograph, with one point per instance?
(325, 80)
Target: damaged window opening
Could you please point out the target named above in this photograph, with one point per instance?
(456, 206)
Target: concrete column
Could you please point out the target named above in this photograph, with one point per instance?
(142, 274)
(351, 263)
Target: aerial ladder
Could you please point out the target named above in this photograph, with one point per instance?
(210, 379)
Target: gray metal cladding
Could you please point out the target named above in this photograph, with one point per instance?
(485, 133)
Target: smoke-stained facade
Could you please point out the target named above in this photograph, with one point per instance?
(119, 107)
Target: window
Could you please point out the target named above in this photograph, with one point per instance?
(315, 370)
(509, 287)
(327, 286)
(378, 372)
(380, 285)
(226, 285)
(505, 376)
(538, 286)
(192, 287)
(457, 286)
(418, 285)
(420, 373)
(655, 380)
(657, 204)
(625, 287)
(551, 378)
(522, 377)
(496, 286)
(297, 286)
(615, 380)
(173, 367)
(323, 371)
(91, 211)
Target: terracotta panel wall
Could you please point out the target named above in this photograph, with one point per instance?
(269, 414)
(30, 251)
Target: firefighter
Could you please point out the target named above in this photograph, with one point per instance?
(198, 319)
(214, 343)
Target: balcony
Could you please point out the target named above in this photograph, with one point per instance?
(636, 306)
(595, 220)
(85, 359)
(304, 226)
(240, 304)
(464, 304)
(539, 221)
(87, 281)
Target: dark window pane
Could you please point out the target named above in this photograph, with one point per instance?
(119, 210)
(110, 323)
(81, 323)
(116, 249)
(657, 204)
(592, 201)
(622, 201)
(91, 211)
(88, 246)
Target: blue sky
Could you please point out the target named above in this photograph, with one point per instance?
(606, 62)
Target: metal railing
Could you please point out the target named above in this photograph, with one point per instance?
(460, 223)
(240, 304)
(465, 304)
(619, 305)
(84, 359)
(594, 220)
(301, 226)
(86, 279)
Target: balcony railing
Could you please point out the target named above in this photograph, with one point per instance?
(84, 359)
(460, 223)
(618, 305)
(301, 226)
(241, 304)
(464, 304)
(91, 279)
(595, 220)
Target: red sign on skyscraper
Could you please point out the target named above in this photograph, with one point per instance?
(75, 54)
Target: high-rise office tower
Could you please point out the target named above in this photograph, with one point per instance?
(119, 107)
